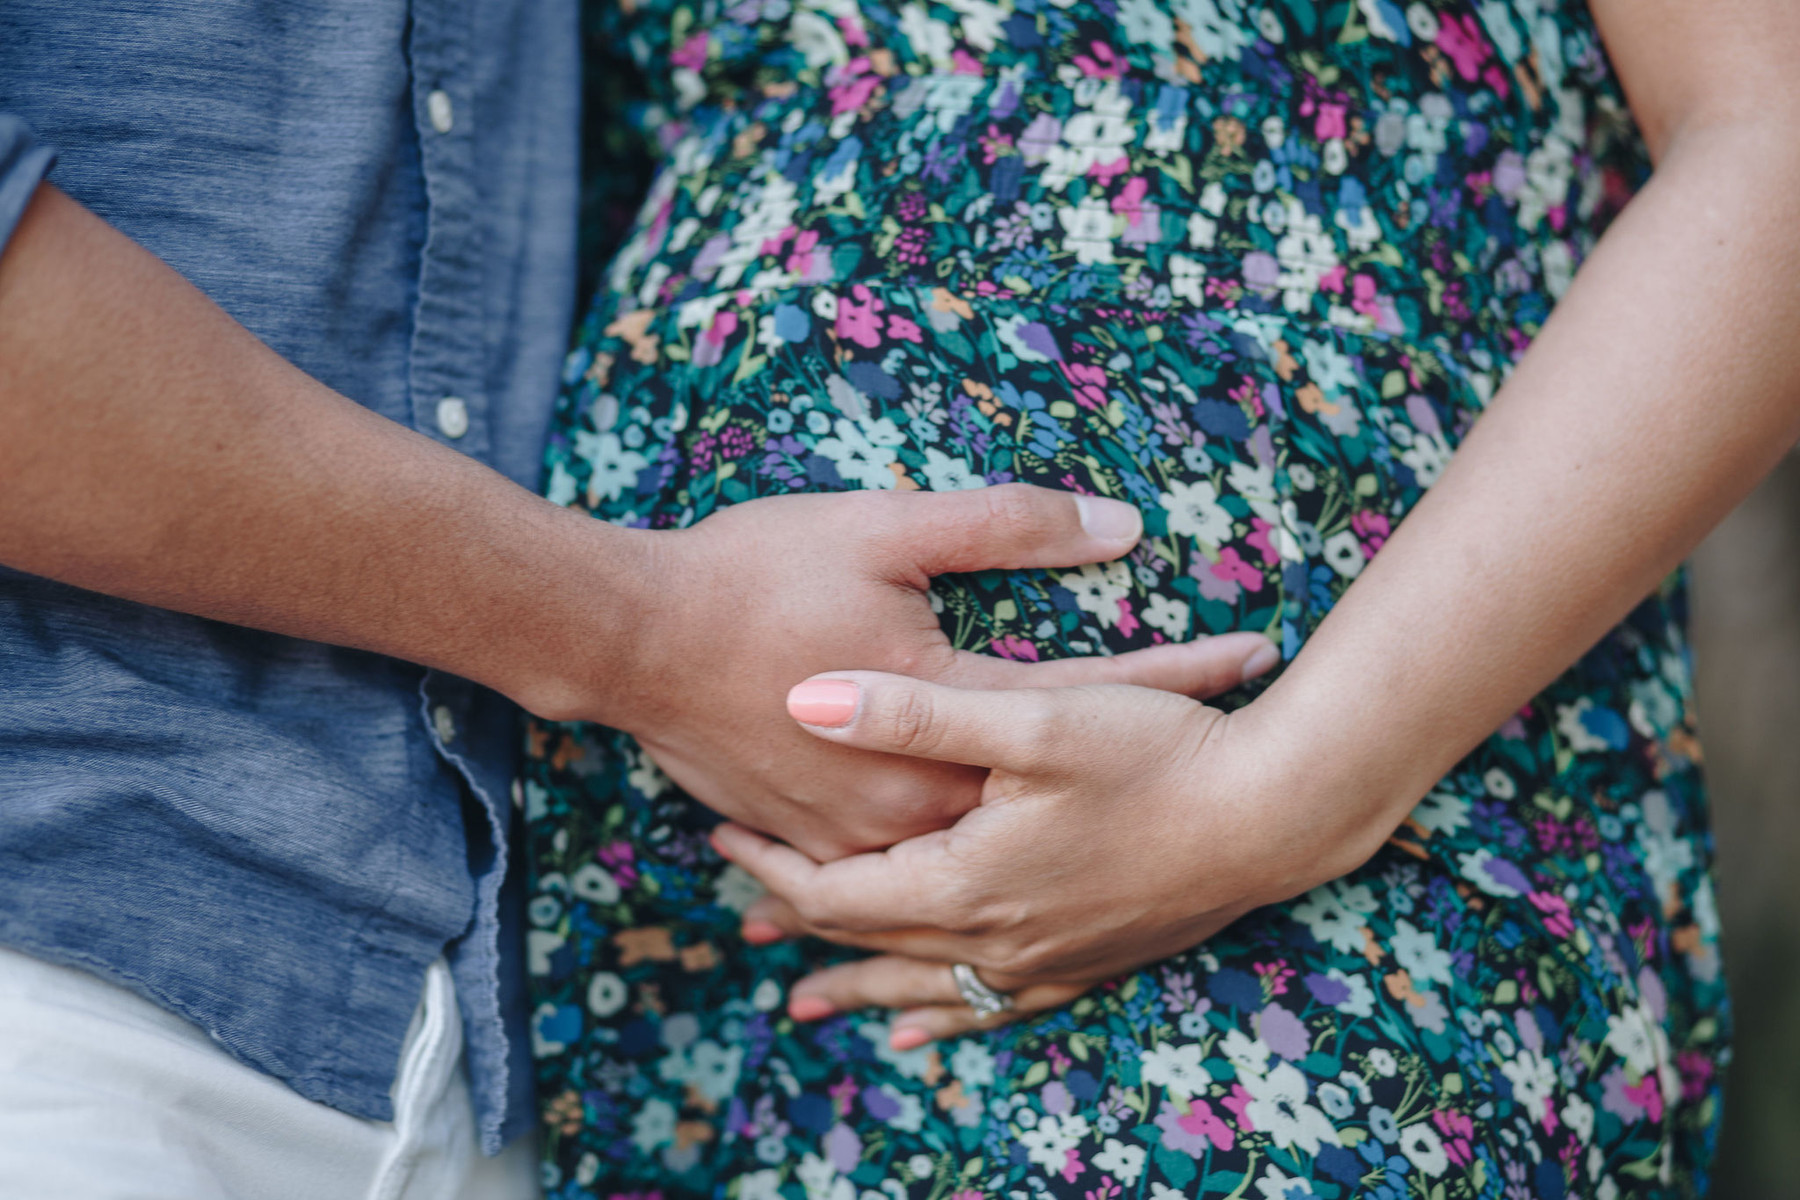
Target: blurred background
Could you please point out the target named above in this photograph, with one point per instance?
(1746, 629)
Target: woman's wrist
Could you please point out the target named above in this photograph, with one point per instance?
(1336, 784)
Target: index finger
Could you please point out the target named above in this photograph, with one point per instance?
(1021, 731)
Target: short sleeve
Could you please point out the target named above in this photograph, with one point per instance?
(24, 162)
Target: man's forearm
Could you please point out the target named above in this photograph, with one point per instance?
(157, 451)
(1663, 387)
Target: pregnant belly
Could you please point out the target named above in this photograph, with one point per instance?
(1270, 457)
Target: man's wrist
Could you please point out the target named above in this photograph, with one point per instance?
(575, 648)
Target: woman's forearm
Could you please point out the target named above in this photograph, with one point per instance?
(1666, 383)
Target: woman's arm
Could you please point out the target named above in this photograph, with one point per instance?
(1666, 383)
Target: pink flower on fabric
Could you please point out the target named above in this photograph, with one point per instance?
(1189, 1133)
(1461, 41)
(1329, 123)
(1231, 566)
(1260, 537)
(858, 322)
(1017, 648)
(691, 53)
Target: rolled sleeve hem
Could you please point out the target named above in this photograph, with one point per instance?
(24, 162)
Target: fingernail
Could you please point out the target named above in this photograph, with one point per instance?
(830, 703)
(1261, 659)
(1109, 520)
(760, 933)
(810, 1008)
(908, 1039)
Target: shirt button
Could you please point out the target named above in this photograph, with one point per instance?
(453, 416)
(440, 110)
(444, 724)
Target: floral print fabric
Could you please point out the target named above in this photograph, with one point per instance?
(1255, 269)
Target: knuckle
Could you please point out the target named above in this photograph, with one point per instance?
(1039, 727)
(1013, 510)
(911, 721)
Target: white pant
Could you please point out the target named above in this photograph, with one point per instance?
(105, 1096)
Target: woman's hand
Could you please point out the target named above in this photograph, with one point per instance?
(1118, 826)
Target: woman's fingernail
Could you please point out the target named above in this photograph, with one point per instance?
(1260, 660)
(908, 1039)
(761, 933)
(810, 1008)
(829, 703)
(1109, 520)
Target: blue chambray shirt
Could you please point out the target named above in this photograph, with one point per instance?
(272, 837)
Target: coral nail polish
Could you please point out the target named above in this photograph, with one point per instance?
(828, 703)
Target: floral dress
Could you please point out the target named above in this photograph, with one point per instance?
(1255, 268)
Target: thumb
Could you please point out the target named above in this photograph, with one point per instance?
(1009, 525)
(1200, 668)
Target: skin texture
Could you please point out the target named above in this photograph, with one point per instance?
(1596, 469)
(179, 462)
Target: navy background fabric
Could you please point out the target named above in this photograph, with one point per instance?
(269, 836)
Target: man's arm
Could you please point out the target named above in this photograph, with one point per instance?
(155, 450)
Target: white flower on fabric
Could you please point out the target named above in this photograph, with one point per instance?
(646, 778)
(822, 1181)
(1533, 1079)
(1124, 1163)
(1344, 554)
(1247, 1055)
(1336, 914)
(857, 456)
(1474, 867)
(1277, 1184)
(1048, 1144)
(1176, 1068)
(1098, 588)
(946, 474)
(653, 1125)
(614, 467)
(606, 994)
(1637, 1037)
(1578, 1115)
(1087, 230)
(1168, 616)
(973, 1063)
(817, 39)
(1278, 1107)
(930, 39)
(1574, 730)
(1361, 1001)
(1417, 952)
(1441, 812)
(1428, 455)
(1203, 231)
(708, 1067)
(1219, 26)
(1194, 511)
(591, 881)
(1548, 171)
(1145, 21)
(1424, 1148)
(760, 1185)
(1306, 254)
(981, 22)
(1187, 278)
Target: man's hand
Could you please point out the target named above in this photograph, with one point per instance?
(1118, 826)
(758, 596)
(177, 461)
